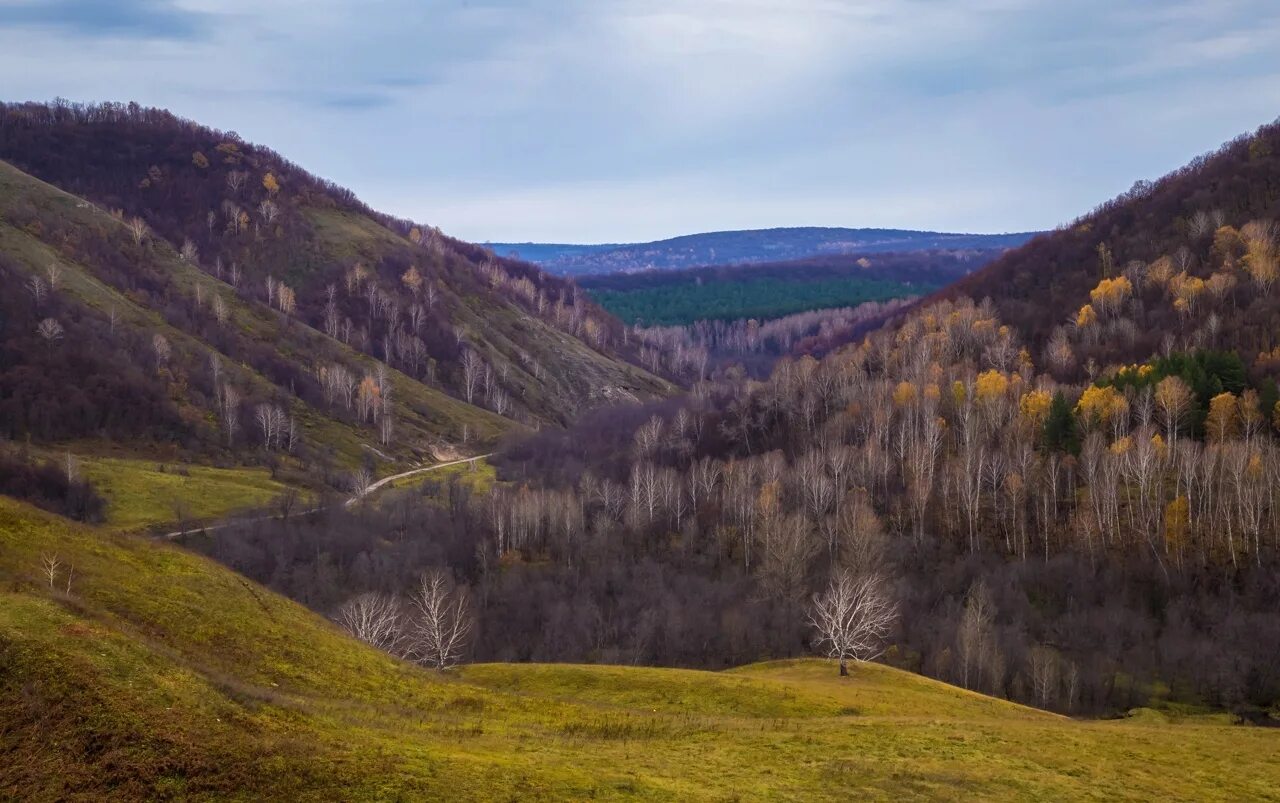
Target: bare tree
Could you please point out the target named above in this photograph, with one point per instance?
(160, 345)
(50, 330)
(974, 636)
(49, 565)
(1174, 400)
(229, 411)
(54, 272)
(375, 619)
(36, 287)
(361, 480)
(236, 179)
(1044, 666)
(138, 228)
(269, 211)
(440, 626)
(472, 371)
(220, 312)
(852, 617)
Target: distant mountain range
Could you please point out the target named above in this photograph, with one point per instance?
(743, 247)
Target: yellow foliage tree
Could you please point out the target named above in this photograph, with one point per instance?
(199, 160)
(1220, 285)
(1101, 405)
(1186, 289)
(1086, 317)
(1223, 416)
(269, 182)
(1161, 448)
(991, 385)
(904, 394)
(1160, 272)
(1260, 255)
(1227, 244)
(412, 280)
(1110, 295)
(1177, 518)
(1034, 407)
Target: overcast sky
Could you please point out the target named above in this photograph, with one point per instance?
(625, 120)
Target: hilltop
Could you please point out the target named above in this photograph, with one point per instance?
(146, 672)
(746, 247)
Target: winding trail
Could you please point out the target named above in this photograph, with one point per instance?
(348, 504)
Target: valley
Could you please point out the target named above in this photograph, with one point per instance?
(301, 500)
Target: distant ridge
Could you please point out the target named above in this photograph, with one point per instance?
(744, 247)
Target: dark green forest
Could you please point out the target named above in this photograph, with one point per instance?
(683, 302)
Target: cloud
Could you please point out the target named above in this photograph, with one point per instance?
(140, 19)
(635, 119)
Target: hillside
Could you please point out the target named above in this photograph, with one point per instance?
(1193, 270)
(149, 673)
(457, 322)
(746, 247)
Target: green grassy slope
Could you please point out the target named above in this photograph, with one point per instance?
(424, 415)
(162, 675)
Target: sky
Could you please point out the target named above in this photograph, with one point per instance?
(633, 120)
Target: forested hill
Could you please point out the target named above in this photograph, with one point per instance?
(170, 262)
(1190, 258)
(746, 247)
(768, 291)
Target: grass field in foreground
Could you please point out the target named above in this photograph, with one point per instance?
(164, 675)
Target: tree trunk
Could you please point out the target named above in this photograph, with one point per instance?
(844, 668)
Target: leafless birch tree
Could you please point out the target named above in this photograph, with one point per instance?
(852, 617)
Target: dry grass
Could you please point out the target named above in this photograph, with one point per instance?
(163, 675)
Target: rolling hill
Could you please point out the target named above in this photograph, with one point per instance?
(144, 672)
(746, 247)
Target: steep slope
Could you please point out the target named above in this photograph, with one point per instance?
(148, 350)
(1197, 273)
(147, 673)
(492, 332)
(746, 247)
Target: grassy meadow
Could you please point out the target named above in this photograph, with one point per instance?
(158, 674)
